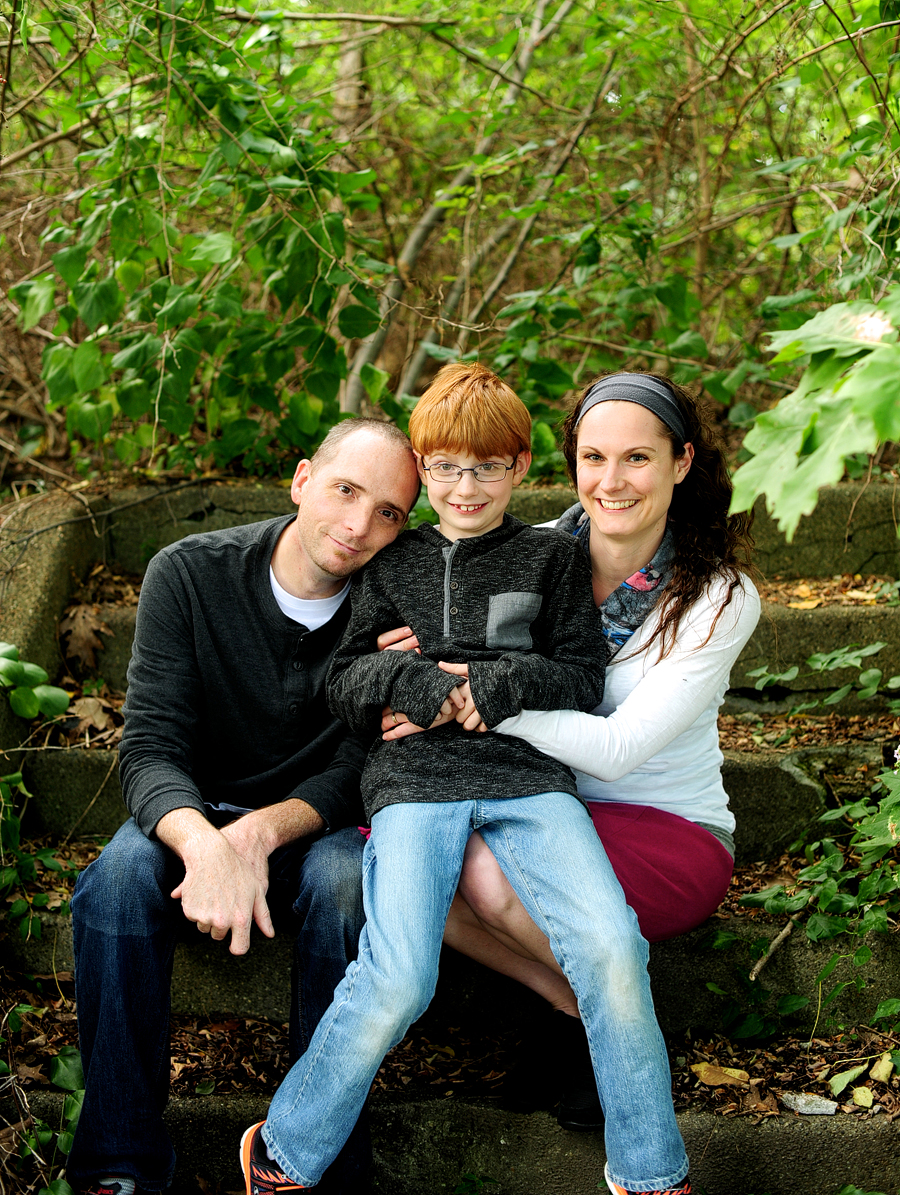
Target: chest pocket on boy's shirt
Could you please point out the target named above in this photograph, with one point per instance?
(510, 616)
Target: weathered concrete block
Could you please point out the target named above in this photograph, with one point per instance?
(852, 530)
(426, 1145)
(784, 637)
(158, 516)
(76, 791)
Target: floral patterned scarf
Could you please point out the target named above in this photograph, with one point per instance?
(626, 607)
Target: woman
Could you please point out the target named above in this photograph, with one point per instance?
(676, 610)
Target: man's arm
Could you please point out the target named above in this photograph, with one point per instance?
(226, 871)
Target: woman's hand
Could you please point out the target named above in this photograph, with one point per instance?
(399, 639)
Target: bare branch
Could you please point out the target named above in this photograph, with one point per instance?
(434, 216)
(270, 18)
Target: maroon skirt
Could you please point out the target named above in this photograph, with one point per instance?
(674, 873)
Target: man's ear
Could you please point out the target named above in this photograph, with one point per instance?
(522, 465)
(302, 475)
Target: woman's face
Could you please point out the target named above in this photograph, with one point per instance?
(626, 471)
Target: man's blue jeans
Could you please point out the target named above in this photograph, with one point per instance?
(549, 851)
(126, 927)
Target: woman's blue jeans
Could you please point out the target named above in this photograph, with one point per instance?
(549, 851)
(126, 927)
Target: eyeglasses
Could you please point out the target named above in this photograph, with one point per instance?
(489, 471)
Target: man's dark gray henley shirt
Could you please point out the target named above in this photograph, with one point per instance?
(226, 694)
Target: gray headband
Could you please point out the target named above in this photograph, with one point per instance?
(635, 387)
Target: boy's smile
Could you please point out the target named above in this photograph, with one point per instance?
(467, 507)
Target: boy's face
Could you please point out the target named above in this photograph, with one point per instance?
(467, 507)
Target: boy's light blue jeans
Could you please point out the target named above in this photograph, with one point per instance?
(548, 849)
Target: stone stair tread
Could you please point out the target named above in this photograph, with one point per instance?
(775, 794)
(427, 1145)
(208, 981)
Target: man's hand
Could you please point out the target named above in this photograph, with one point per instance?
(399, 639)
(227, 871)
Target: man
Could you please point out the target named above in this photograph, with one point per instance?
(243, 791)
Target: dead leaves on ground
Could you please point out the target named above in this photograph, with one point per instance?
(840, 590)
(745, 1080)
(79, 635)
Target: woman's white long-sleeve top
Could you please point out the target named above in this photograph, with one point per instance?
(654, 739)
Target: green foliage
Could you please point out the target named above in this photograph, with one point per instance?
(227, 219)
(847, 402)
(19, 867)
(871, 681)
(29, 694)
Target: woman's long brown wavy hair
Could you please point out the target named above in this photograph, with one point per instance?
(710, 542)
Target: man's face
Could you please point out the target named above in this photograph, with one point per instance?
(349, 508)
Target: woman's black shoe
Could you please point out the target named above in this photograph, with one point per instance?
(579, 1104)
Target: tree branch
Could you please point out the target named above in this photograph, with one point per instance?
(370, 348)
(240, 14)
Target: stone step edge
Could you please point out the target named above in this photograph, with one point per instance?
(427, 1145)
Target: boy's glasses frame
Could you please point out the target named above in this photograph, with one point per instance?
(454, 472)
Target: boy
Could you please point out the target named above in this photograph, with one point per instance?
(510, 608)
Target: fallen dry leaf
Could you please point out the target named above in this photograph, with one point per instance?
(719, 1076)
(882, 1069)
(862, 1097)
(809, 604)
(81, 628)
(92, 714)
(803, 590)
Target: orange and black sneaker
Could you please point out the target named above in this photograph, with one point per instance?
(683, 1188)
(261, 1174)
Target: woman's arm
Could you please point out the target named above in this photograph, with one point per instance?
(664, 703)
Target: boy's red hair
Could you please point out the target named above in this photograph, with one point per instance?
(468, 409)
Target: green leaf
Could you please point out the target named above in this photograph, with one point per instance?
(87, 366)
(8, 651)
(66, 1071)
(33, 674)
(215, 249)
(57, 374)
(321, 384)
(12, 672)
(92, 420)
(207, 1087)
(139, 354)
(69, 263)
(98, 302)
(357, 322)
(837, 1083)
(374, 381)
(178, 307)
(306, 412)
(689, 344)
(24, 703)
(39, 301)
(129, 275)
(775, 303)
(887, 1009)
(52, 701)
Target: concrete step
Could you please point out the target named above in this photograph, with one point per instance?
(689, 976)
(426, 1146)
(775, 795)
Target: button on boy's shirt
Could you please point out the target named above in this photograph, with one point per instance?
(515, 604)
